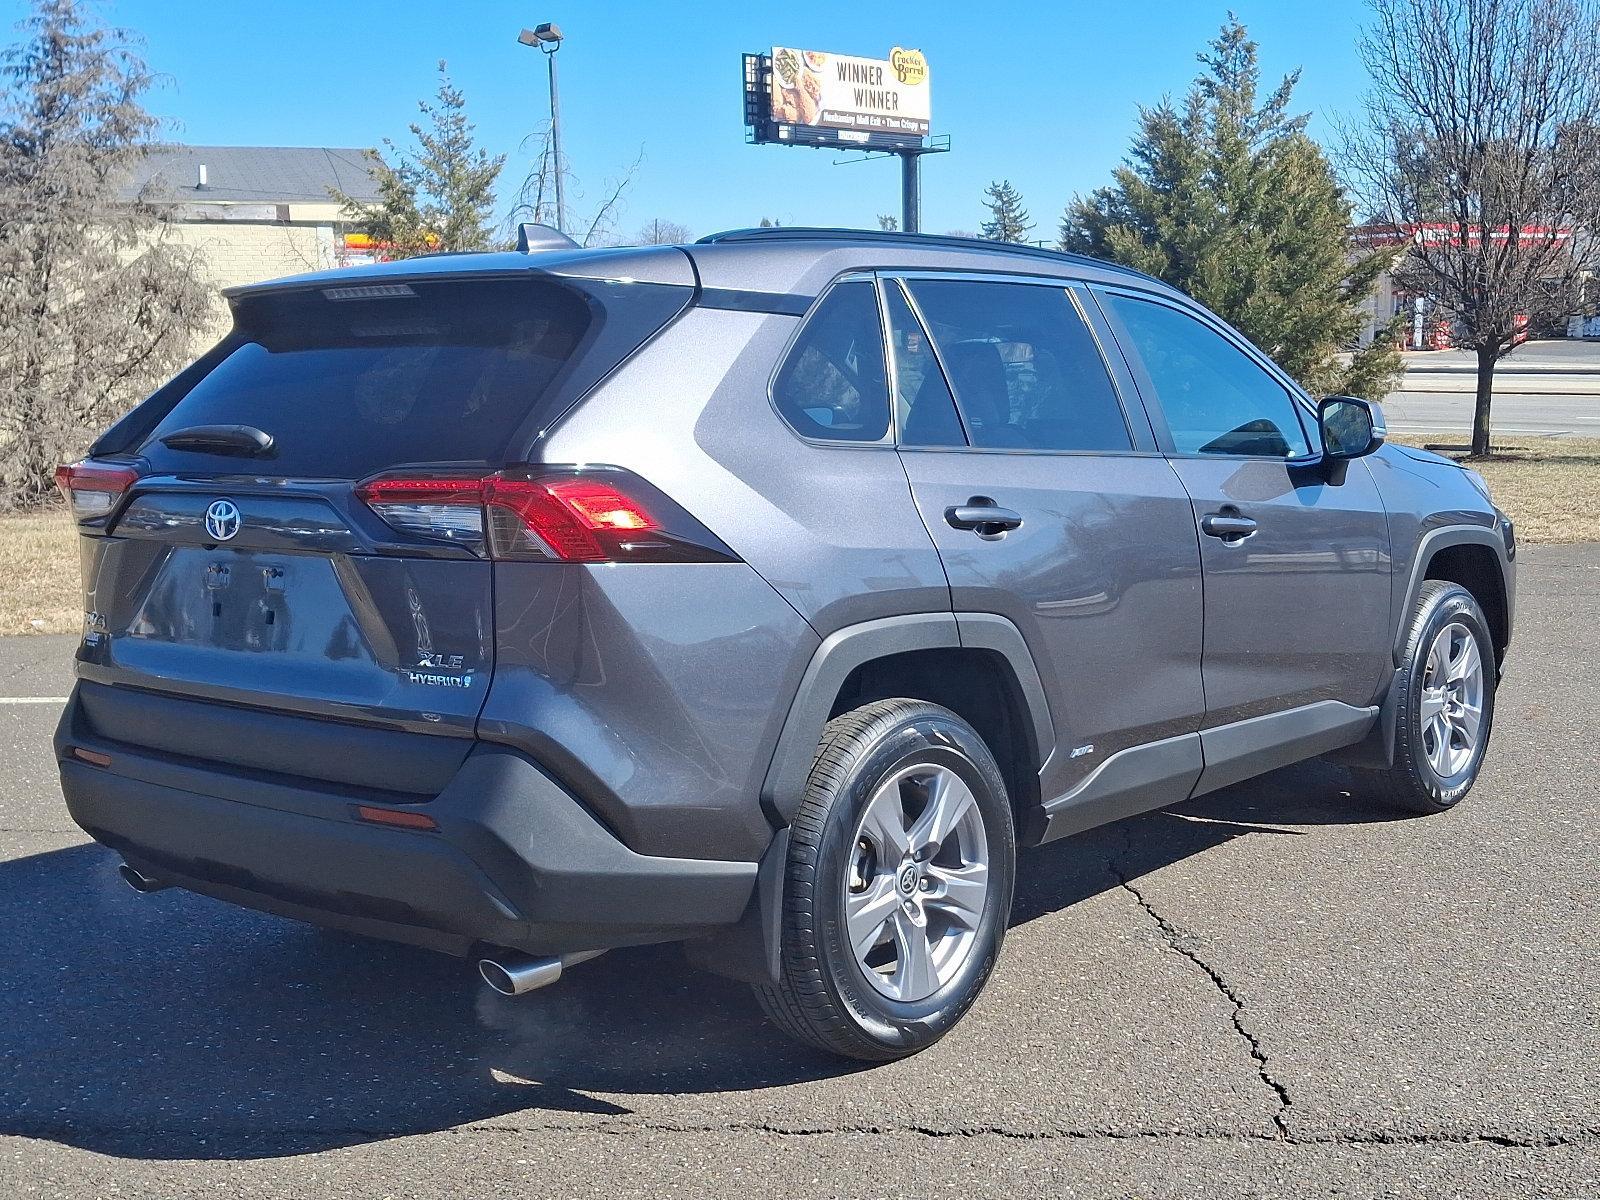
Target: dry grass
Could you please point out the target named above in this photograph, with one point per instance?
(1549, 486)
(39, 591)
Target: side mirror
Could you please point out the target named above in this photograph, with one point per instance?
(1350, 426)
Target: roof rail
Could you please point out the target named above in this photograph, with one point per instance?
(800, 233)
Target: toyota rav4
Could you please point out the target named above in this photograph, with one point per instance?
(764, 594)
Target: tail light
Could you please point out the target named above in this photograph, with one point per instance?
(93, 489)
(591, 514)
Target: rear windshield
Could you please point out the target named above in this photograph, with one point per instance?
(354, 379)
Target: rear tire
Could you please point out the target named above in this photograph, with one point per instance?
(1444, 708)
(897, 890)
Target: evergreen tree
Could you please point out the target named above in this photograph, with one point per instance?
(1008, 220)
(439, 196)
(97, 306)
(1228, 199)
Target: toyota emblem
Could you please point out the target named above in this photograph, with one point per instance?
(222, 520)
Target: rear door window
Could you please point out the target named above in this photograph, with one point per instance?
(1026, 370)
(353, 380)
(833, 385)
(925, 411)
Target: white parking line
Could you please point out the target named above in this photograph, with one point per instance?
(33, 699)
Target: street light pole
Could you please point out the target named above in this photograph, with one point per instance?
(555, 131)
(549, 39)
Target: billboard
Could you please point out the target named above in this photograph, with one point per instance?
(816, 98)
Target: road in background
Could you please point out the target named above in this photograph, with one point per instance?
(1279, 990)
(1551, 354)
(1512, 415)
(1542, 389)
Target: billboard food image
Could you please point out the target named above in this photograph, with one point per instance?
(841, 91)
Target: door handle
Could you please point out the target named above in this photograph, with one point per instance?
(1231, 527)
(983, 516)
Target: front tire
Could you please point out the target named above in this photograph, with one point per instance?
(1444, 708)
(897, 891)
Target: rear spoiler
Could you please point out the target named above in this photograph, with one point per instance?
(641, 264)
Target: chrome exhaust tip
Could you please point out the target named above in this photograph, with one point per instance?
(513, 973)
(139, 881)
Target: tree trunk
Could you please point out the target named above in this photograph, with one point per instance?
(1480, 414)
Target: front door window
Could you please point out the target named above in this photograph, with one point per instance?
(1215, 398)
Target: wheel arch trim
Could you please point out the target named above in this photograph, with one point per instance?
(1428, 546)
(853, 646)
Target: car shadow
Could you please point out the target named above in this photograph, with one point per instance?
(173, 1026)
(1063, 873)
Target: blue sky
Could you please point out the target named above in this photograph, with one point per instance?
(1045, 94)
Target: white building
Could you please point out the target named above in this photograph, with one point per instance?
(257, 212)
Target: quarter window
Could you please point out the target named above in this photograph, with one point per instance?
(1025, 368)
(833, 383)
(1216, 399)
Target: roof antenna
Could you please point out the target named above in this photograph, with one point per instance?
(532, 238)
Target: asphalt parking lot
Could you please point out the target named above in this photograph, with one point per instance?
(1278, 990)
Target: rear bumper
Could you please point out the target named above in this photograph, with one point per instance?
(516, 860)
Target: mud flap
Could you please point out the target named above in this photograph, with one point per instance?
(1376, 750)
(750, 950)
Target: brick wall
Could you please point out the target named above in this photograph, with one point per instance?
(236, 252)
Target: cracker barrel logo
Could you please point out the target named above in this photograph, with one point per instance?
(909, 66)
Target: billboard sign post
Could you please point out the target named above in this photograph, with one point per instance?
(795, 97)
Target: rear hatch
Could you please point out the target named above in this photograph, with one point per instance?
(241, 569)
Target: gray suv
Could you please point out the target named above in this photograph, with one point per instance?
(764, 594)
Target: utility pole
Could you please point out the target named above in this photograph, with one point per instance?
(548, 38)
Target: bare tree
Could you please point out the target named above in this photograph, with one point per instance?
(603, 224)
(96, 305)
(662, 233)
(536, 196)
(1480, 153)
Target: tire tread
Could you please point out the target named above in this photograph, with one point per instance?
(1401, 785)
(799, 1003)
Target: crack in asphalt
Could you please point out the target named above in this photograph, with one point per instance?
(1181, 943)
(215, 1139)
(29, 829)
(1372, 1137)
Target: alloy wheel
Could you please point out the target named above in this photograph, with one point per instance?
(918, 882)
(1452, 700)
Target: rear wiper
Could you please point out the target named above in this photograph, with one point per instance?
(245, 440)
